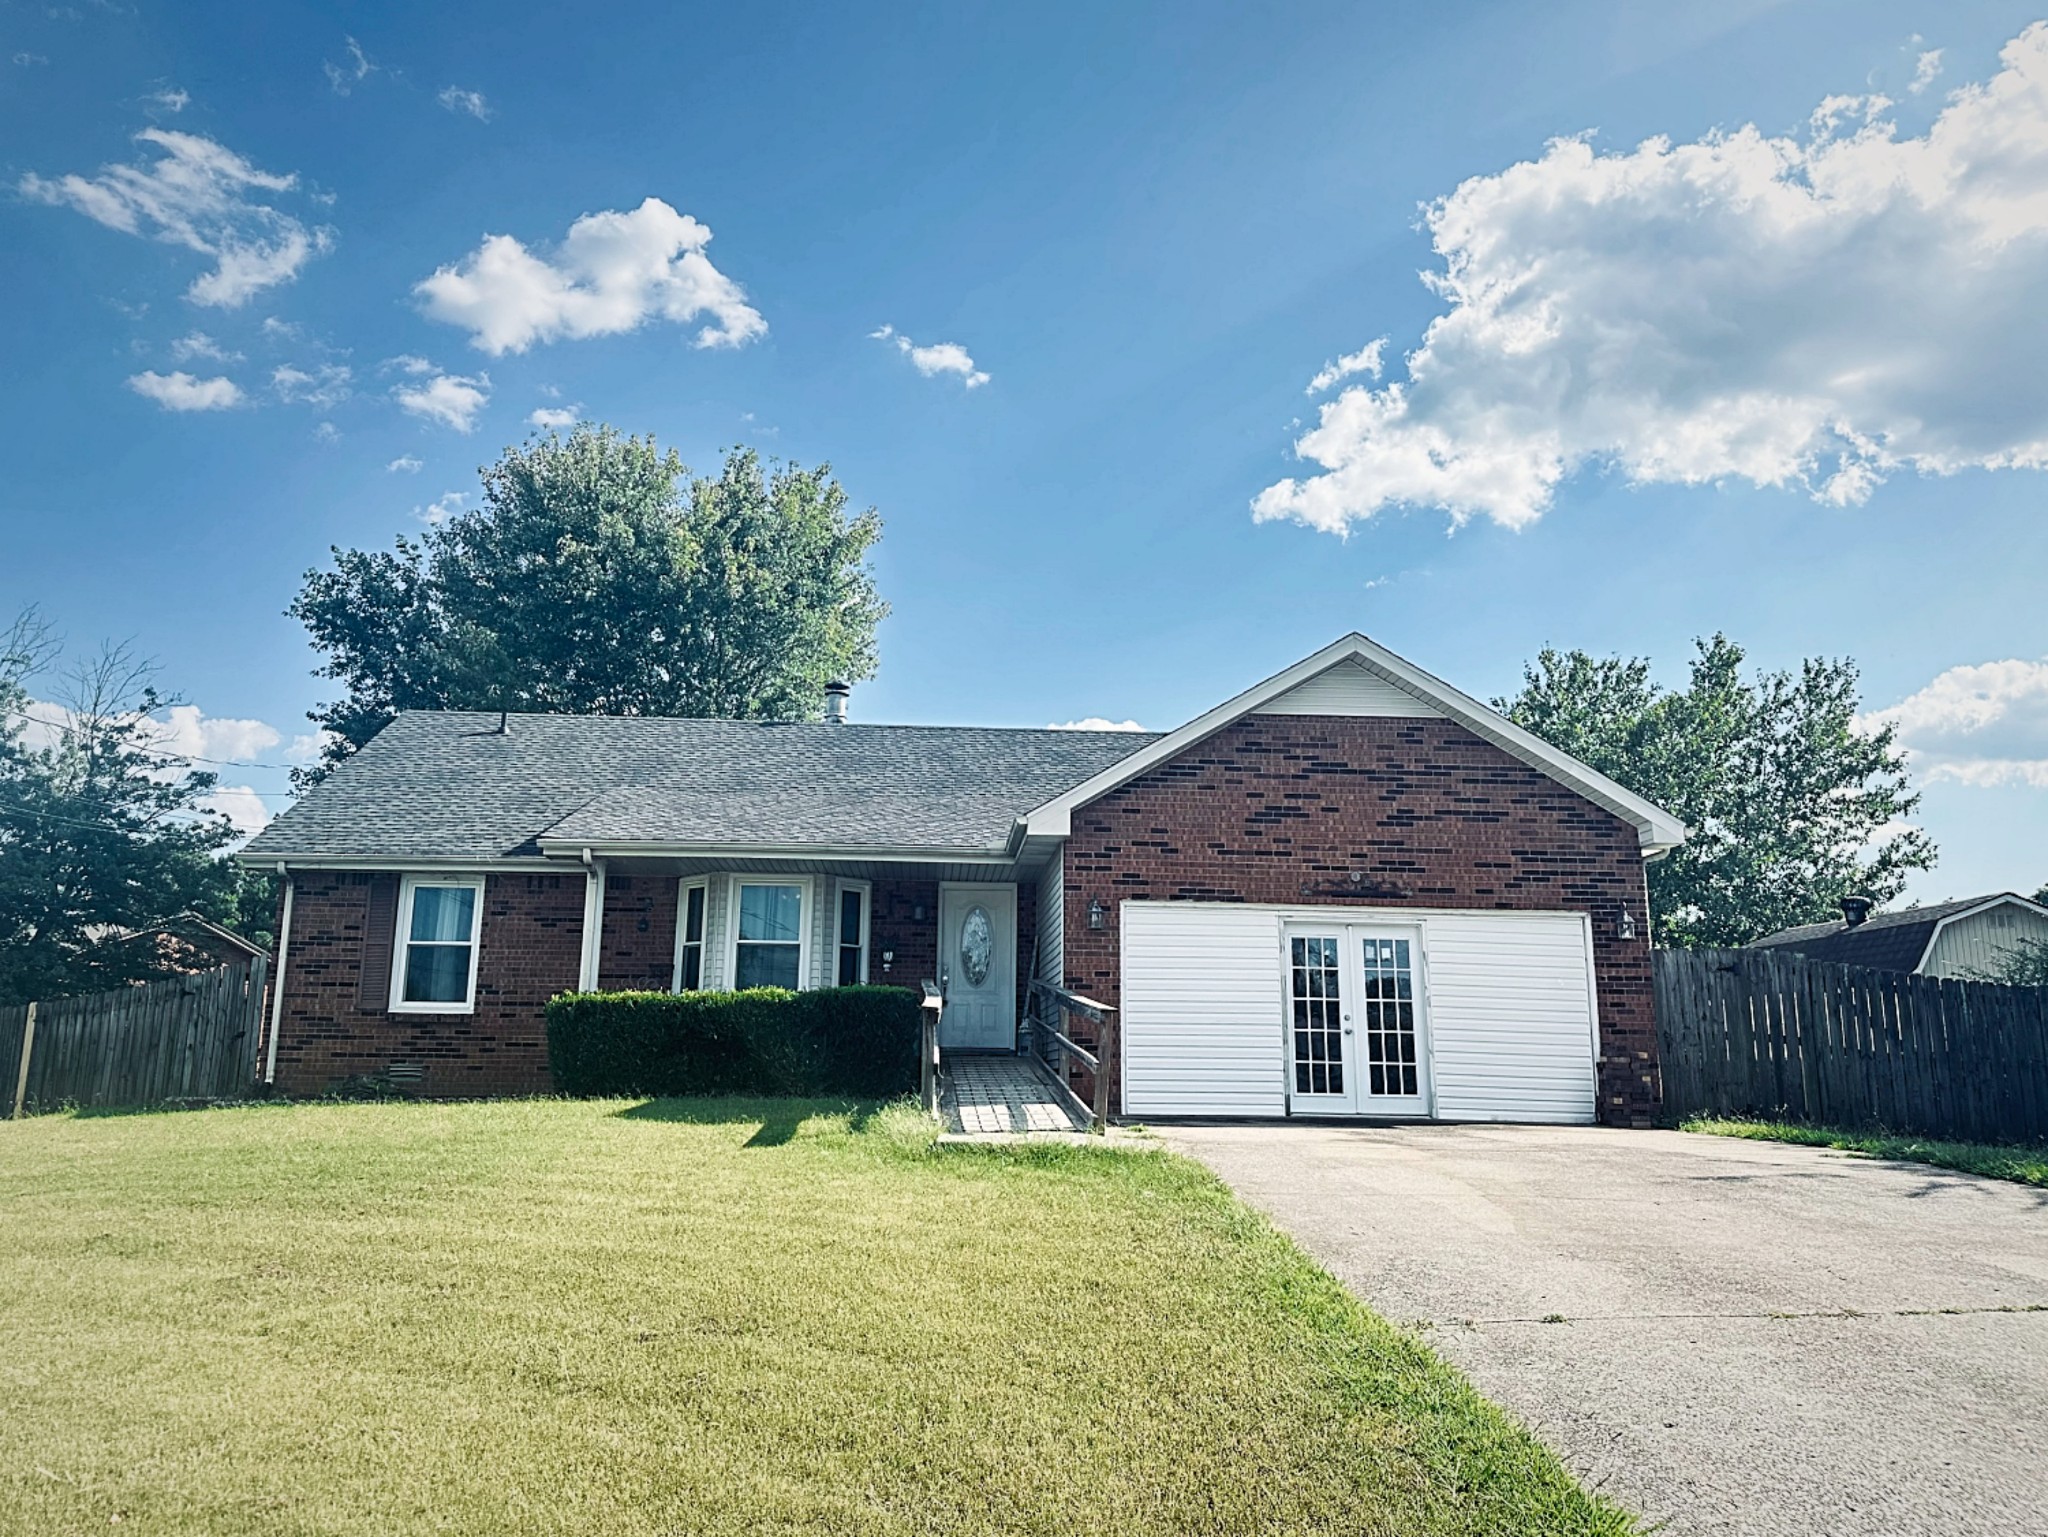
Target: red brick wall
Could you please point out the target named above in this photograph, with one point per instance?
(531, 937)
(638, 939)
(1276, 808)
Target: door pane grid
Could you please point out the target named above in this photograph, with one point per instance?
(1318, 1016)
(1388, 1007)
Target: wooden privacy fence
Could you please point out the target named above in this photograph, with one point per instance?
(187, 1037)
(1771, 1033)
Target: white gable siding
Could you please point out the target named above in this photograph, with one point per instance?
(1511, 1021)
(1973, 946)
(1349, 689)
(1202, 1010)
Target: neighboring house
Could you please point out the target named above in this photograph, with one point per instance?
(189, 943)
(1350, 891)
(1967, 938)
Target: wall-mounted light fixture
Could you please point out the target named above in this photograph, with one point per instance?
(888, 960)
(1626, 928)
(1098, 915)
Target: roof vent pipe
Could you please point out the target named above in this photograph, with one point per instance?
(1855, 910)
(836, 695)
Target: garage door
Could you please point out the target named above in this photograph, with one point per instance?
(1221, 1017)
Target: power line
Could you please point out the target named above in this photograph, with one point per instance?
(26, 814)
(73, 730)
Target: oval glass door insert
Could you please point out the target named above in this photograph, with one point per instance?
(977, 946)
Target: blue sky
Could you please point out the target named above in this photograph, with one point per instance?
(1149, 228)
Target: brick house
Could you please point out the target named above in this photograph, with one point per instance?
(1349, 891)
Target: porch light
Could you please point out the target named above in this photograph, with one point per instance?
(888, 960)
(1626, 928)
(1098, 915)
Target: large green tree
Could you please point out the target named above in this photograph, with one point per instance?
(1791, 804)
(101, 831)
(599, 576)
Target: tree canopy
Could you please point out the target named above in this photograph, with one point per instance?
(599, 576)
(1792, 805)
(101, 831)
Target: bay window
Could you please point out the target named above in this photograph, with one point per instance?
(768, 936)
(690, 938)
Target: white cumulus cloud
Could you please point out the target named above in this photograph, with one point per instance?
(404, 464)
(614, 272)
(1366, 360)
(180, 391)
(455, 99)
(1094, 723)
(198, 345)
(453, 400)
(1925, 69)
(203, 196)
(554, 417)
(1818, 311)
(441, 508)
(351, 70)
(938, 358)
(1981, 724)
(324, 385)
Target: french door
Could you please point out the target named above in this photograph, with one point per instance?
(1355, 1025)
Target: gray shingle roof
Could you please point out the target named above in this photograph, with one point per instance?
(1885, 941)
(443, 784)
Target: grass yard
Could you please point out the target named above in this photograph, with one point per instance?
(2024, 1165)
(690, 1316)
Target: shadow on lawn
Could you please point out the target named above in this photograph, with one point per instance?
(778, 1118)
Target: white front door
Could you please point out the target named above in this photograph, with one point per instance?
(978, 967)
(1355, 1028)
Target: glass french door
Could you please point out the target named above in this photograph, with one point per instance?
(1354, 1022)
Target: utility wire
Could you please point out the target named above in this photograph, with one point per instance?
(74, 730)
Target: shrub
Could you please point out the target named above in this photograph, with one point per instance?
(856, 1041)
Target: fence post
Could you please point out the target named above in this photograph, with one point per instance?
(28, 1045)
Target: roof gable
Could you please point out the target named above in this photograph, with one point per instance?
(1333, 675)
(1895, 941)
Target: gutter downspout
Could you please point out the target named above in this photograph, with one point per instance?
(593, 923)
(284, 937)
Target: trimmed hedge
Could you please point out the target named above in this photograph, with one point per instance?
(856, 1041)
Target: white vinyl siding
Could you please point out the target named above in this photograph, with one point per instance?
(1972, 947)
(1510, 1016)
(1201, 1011)
(1052, 921)
(1349, 689)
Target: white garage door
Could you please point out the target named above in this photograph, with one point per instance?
(1504, 1021)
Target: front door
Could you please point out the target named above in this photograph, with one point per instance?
(978, 967)
(1355, 1029)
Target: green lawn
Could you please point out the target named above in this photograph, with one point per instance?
(2025, 1165)
(689, 1316)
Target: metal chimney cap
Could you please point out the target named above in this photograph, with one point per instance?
(836, 695)
(1855, 910)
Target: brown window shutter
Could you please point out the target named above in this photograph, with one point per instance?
(380, 931)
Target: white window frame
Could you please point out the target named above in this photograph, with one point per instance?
(867, 920)
(807, 914)
(703, 941)
(401, 943)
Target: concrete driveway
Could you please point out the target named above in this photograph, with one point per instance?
(1757, 1338)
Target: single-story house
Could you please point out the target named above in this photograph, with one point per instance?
(1351, 890)
(187, 942)
(1968, 938)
